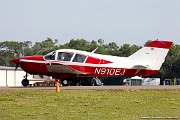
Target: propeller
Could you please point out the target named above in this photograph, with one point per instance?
(16, 61)
(17, 65)
(21, 54)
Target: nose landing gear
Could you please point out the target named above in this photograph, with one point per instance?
(25, 81)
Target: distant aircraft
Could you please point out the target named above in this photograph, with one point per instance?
(66, 64)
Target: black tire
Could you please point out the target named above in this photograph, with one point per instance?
(25, 82)
(65, 82)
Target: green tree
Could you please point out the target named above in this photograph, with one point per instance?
(127, 50)
(173, 60)
(12, 49)
(44, 47)
(112, 48)
(79, 44)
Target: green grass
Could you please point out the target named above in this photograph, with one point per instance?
(88, 104)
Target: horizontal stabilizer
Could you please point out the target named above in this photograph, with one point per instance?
(141, 66)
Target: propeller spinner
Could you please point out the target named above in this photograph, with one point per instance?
(16, 61)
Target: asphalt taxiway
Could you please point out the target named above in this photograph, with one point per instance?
(161, 87)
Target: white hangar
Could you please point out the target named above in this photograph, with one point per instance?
(11, 77)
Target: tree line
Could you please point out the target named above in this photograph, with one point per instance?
(13, 49)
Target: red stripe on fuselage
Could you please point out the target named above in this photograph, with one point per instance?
(105, 71)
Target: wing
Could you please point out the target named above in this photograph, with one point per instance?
(63, 68)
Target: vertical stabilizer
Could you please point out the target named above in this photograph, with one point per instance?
(152, 55)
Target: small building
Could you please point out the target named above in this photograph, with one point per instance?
(137, 81)
(151, 81)
(11, 77)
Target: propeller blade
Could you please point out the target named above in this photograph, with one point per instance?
(17, 65)
(16, 61)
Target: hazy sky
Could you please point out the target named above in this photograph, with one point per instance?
(120, 21)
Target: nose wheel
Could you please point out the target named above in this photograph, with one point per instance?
(25, 81)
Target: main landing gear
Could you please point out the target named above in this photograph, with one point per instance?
(25, 81)
(65, 82)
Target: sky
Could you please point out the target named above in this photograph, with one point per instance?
(119, 21)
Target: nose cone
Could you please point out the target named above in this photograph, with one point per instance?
(15, 61)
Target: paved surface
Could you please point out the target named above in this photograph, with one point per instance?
(98, 88)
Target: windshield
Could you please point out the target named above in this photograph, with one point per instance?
(50, 56)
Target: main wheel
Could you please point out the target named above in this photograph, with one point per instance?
(25, 82)
(65, 82)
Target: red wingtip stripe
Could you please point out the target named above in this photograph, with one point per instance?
(160, 44)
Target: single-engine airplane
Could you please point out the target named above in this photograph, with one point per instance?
(66, 64)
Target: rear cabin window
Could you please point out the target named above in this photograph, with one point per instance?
(50, 56)
(64, 56)
(79, 58)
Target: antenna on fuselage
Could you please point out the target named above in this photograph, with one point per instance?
(94, 50)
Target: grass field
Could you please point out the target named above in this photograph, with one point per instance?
(88, 104)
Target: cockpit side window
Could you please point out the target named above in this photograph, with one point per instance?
(64, 56)
(60, 56)
(79, 58)
(50, 56)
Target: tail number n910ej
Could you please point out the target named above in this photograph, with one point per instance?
(109, 71)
